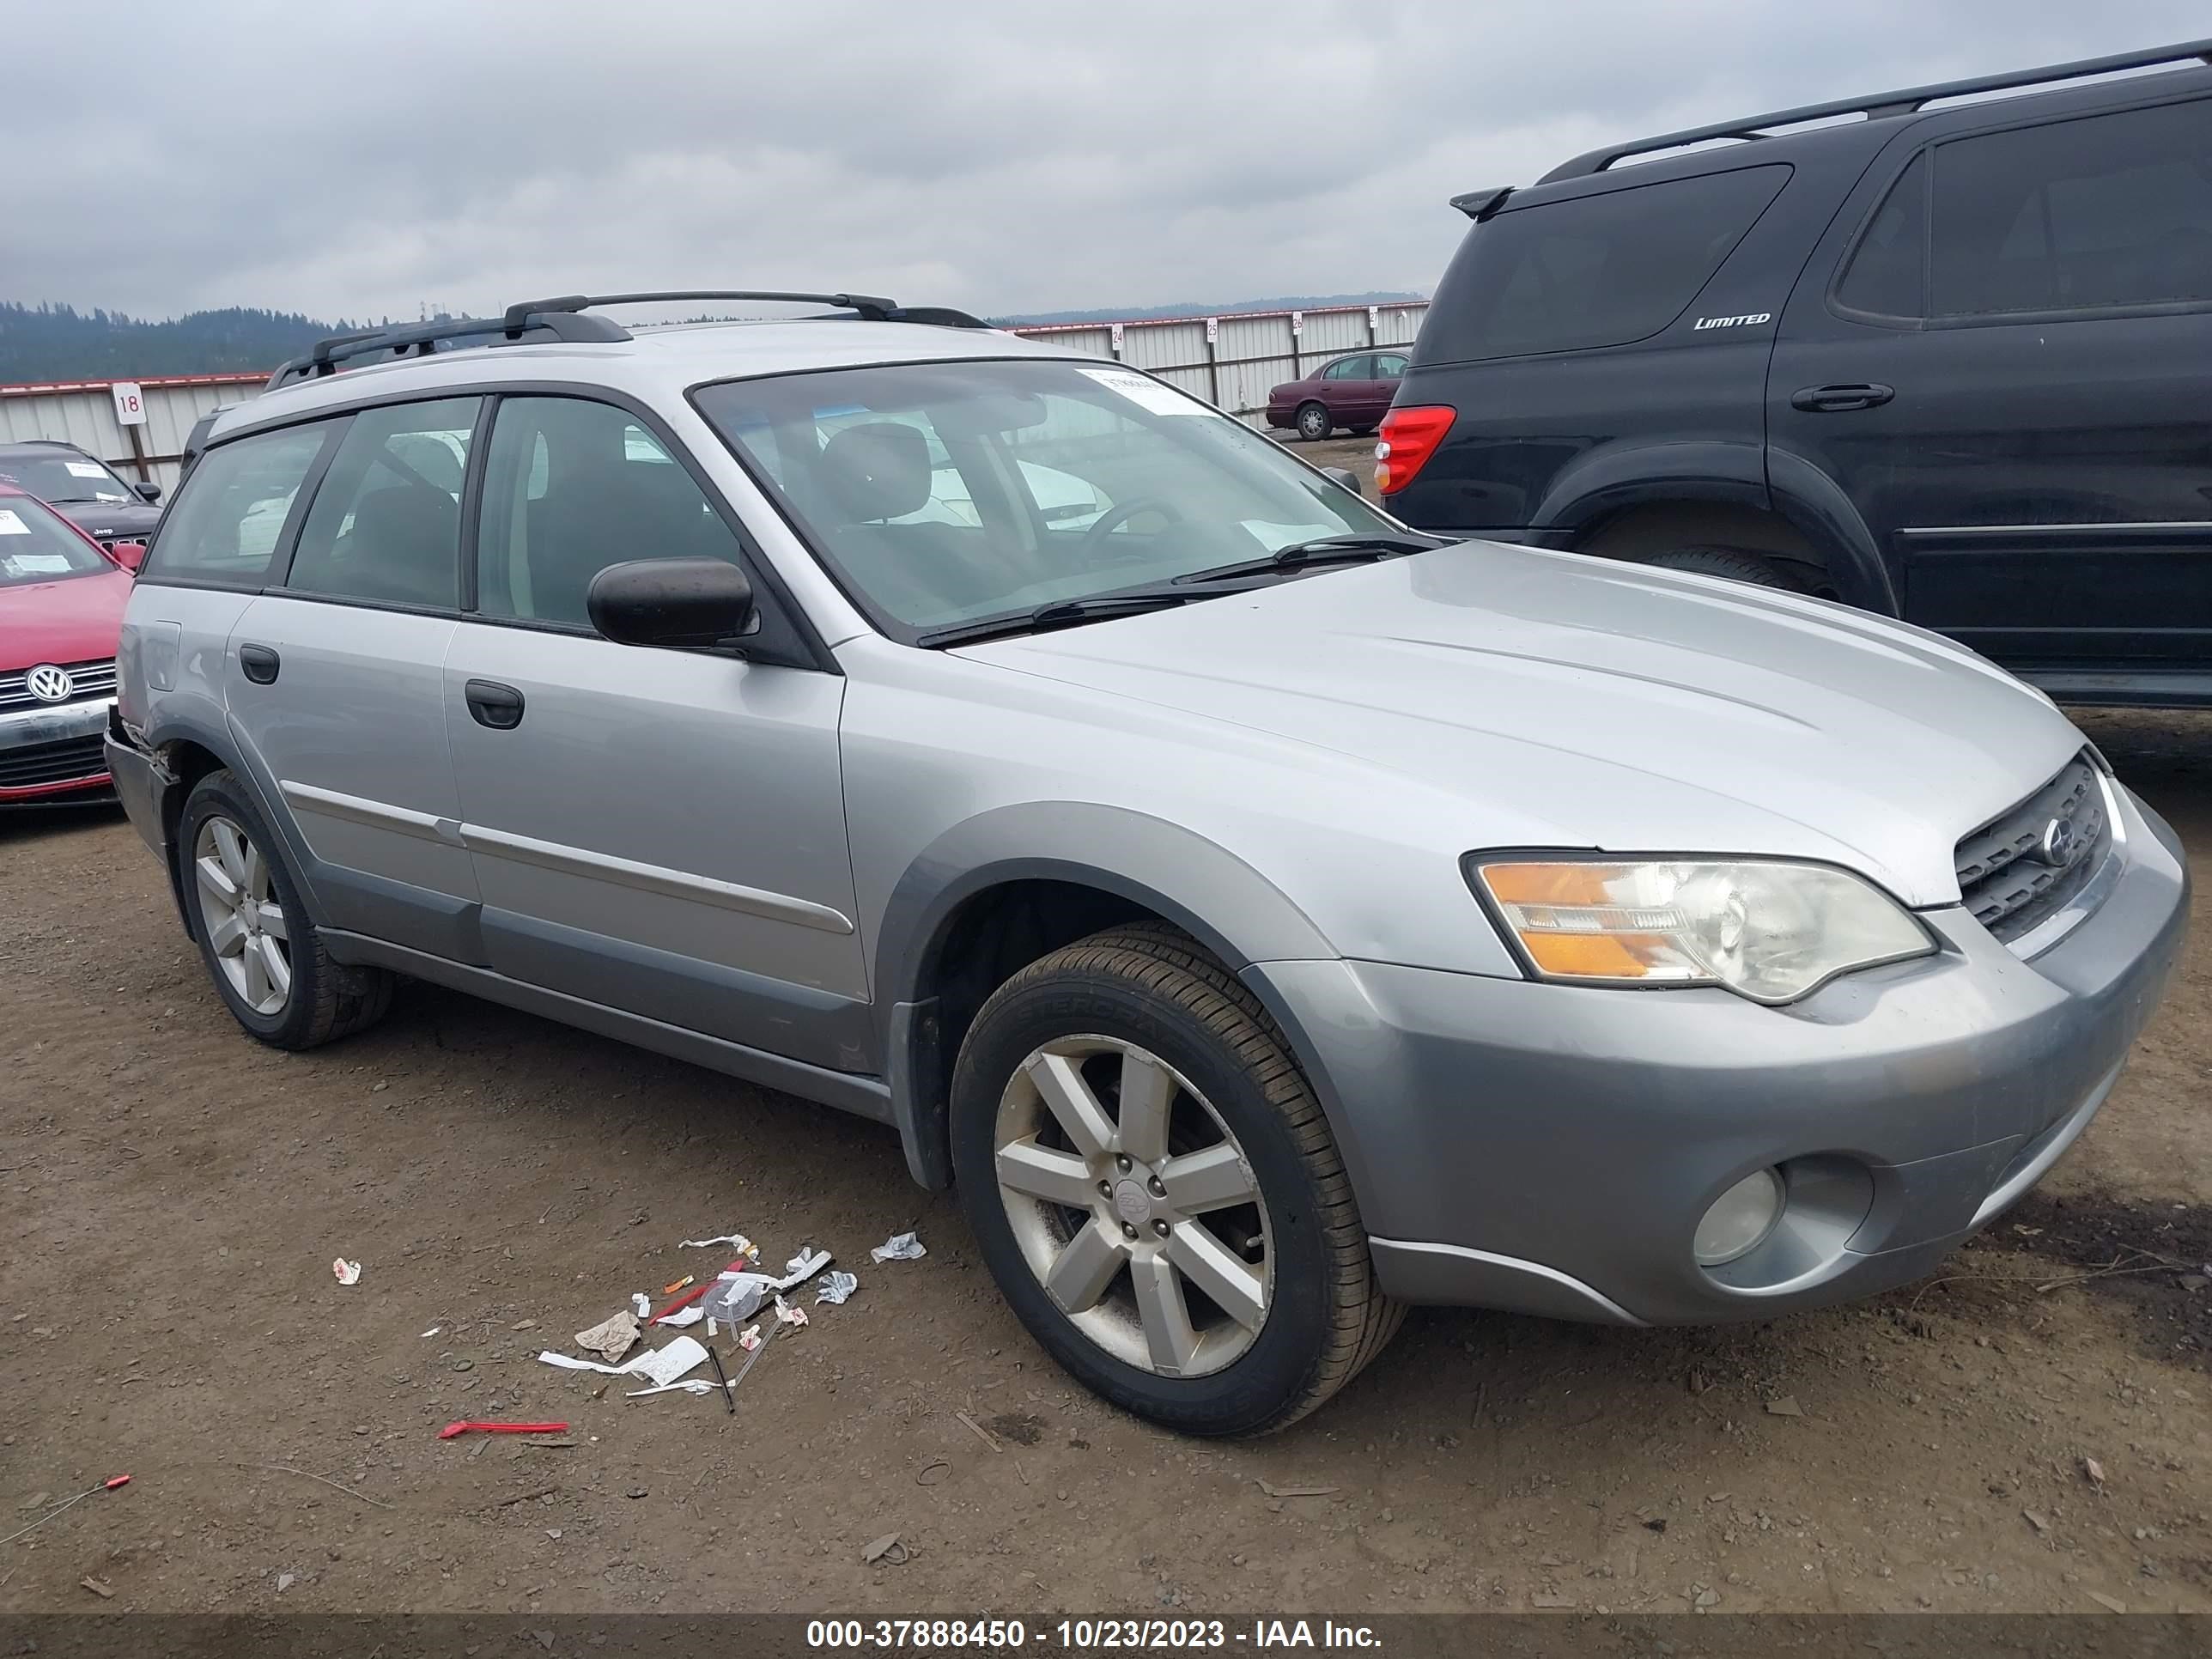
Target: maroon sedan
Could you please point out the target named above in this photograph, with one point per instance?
(1353, 390)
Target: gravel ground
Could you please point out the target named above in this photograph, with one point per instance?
(2027, 1431)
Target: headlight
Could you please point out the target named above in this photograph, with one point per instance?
(1764, 929)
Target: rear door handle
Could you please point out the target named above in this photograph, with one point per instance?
(490, 703)
(259, 664)
(1840, 399)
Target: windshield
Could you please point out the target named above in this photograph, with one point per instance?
(944, 493)
(36, 547)
(63, 478)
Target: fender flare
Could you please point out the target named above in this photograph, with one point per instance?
(202, 724)
(1615, 476)
(1222, 901)
(1817, 507)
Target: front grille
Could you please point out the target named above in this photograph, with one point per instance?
(53, 762)
(87, 680)
(2010, 873)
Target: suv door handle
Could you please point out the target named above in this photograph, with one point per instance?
(490, 703)
(1838, 399)
(259, 664)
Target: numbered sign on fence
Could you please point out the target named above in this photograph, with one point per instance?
(129, 404)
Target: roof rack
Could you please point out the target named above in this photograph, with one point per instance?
(562, 318)
(1907, 102)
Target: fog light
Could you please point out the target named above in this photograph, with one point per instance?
(1741, 1219)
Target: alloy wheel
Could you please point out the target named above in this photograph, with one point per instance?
(1313, 422)
(1135, 1205)
(248, 931)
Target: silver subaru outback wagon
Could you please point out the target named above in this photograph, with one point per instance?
(1266, 917)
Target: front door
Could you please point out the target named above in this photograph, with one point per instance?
(2009, 382)
(335, 678)
(661, 832)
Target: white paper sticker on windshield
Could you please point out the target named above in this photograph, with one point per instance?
(1147, 393)
(85, 470)
(12, 525)
(36, 564)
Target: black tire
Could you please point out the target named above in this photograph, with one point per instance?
(1362, 431)
(1150, 985)
(327, 999)
(1314, 421)
(1724, 561)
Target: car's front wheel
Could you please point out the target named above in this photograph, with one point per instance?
(1157, 1192)
(1314, 423)
(266, 958)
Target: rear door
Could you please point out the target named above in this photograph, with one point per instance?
(335, 677)
(662, 831)
(2008, 377)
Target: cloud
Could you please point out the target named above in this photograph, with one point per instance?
(358, 159)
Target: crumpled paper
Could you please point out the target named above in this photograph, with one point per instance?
(836, 1288)
(657, 1369)
(611, 1337)
(900, 1247)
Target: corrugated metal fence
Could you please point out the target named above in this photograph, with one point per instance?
(1230, 361)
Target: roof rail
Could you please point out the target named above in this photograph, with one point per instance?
(867, 307)
(422, 341)
(1907, 102)
(562, 318)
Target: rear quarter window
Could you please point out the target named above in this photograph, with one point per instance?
(224, 524)
(1596, 271)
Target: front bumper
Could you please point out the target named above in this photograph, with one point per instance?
(1550, 1149)
(34, 730)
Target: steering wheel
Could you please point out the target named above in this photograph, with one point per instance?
(1094, 538)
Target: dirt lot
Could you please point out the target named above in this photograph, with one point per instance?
(174, 1196)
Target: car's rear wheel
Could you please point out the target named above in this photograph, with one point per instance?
(1155, 1189)
(1314, 423)
(1725, 562)
(267, 960)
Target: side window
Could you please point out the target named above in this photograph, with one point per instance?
(1350, 369)
(224, 524)
(2104, 211)
(1884, 278)
(1592, 270)
(1390, 367)
(386, 524)
(571, 487)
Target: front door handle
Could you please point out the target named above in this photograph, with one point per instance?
(1840, 399)
(259, 664)
(490, 703)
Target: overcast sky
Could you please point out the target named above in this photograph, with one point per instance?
(360, 160)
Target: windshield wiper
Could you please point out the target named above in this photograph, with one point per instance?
(1065, 613)
(1354, 549)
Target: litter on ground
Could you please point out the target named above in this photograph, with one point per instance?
(611, 1337)
(834, 1288)
(347, 1273)
(900, 1247)
(737, 1242)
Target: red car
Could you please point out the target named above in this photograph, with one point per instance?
(61, 610)
(1354, 391)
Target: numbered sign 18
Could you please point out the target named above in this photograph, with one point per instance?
(129, 404)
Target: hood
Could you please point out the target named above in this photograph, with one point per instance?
(1572, 702)
(111, 521)
(76, 619)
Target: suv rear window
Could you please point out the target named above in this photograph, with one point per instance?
(1595, 272)
(227, 515)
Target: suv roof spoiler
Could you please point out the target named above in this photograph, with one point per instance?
(562, 318)
(1907, 102)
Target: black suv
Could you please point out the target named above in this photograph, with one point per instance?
(1950, 362)
(83, 488)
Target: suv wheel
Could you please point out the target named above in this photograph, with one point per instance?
(265, 958)
(1314, 423)
(1719, 562)
(1154, 1185)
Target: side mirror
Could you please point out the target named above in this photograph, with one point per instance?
(147, 492)
(130, 555)
(680, 603)
(1343, 475)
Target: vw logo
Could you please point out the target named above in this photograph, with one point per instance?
(49, 684)
(2057, 847)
